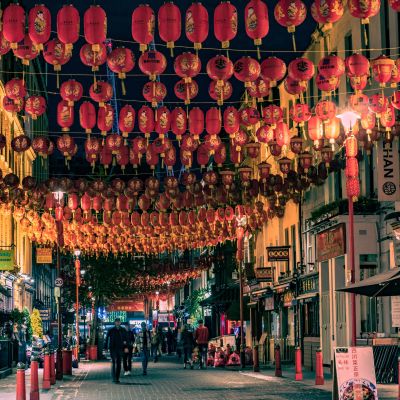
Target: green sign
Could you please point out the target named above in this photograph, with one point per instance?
(6, 260)
(116, 314)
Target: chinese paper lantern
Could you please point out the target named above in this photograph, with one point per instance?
(352, 188)
(256, 21)
(395, 100)
(35, 106)
(202, 155)
(26, 50)
(68, 26)
(395, 4)
(265, 134)
(40, 145)
(186, 158)
(325, 110)
(65, 144)
(186, 91)
(4, 45)
(105, 119)
(273, 69)
(356, 65)
(178, 122)
(246, 69)
(151, 158)
(332, 130)
(92, 58)
(388, 118)
(143, 24)
(378, 104)
(272, 114)
(187, 66)
(92, 150)
(113, 143)
(240, 140)
(55, 53)
(39, 25)
(101, 92)
(126, 120)
(296, 144)
(259, 89)
(300, 113)
(13, 106)
(253, 149)
(359, 103)
(395, 76)
(294, 87)
(14, 24)
(87, 116)
(169, 24)
(154, 92)
(152, 63)
(364, 9)
(162, 121)
(213, 121)
(314, 129)
(301, 69)
(196, 24)
(327, 85)
(196, 122)
(121, 61)
(170, 158)
(327, 12)
(95, 26)
(65, 115)
(220, 69)
(282, 134)
(21, 143)
(249, 116)
(212, 143)
(146, 120)
(71, 91)
(331, 66)
(368, 121)
(231, 121)
(220, 93)
(225, 23)
(382, 67)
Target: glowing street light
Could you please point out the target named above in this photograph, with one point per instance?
(348, 119)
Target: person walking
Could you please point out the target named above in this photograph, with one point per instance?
(115, 342)
(143, 342)
(188, 344)
(128, 351)
(155, 344)
(201, 337)
(170, 341)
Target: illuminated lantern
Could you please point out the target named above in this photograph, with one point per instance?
(259, 89)
(65, 115)
(92, 150)
(356, 65)
(196, 122)
(395, 4)
(325, 110)
(359, 103)
(388, 118)
(26, 50)
(220, 155)
(121, 61)
(151, 158)
(395, 100)
(220, 93)
(256, 21)
(21, 143)
(65, 144)
(351, 170)
(186, 158)
(358, 83)
(282, 134)
(351, 146)
(212, 143)
(152, 63)
(139, 145)
(294, 87)
(382, 68)
(305, 160)
(105, 119)
(235, 154)
(92, 58)
(300, 113)
(301, 69)
(290, 13)
(170, 158)
(146, 120)
(196, 24)
(126, 120)
(169, 24)
(246, 69)
(265, 134)
(4, 45)
(113, 143)
(249, 116)
(13, 24)
(122, 157)
(39, 25)
(327, 12)
(71, 91)
(213, 121)
(368, 121)
(314, 129)
(273, 69)
(178, 122)
(95, 26)
(162, 121)
(364, 9)
(378, 103)
(353, 188)
(187, 66)
(332, 130)
(55, 53)
(220, 69)
(296, 144)
(284, 165)
(327, 85)
(154, 92)
(272, 114)
(13, 106)
(241, 139)
(395, 76)
(186, 91)
(231, 121)
(40, 145)
(225, 23)
(101, 92)
(331, 66)
(203, 155)
(134, 158)
(68, 26)
(143, 24)
(87, 116)
(189, 143)
(35, 106)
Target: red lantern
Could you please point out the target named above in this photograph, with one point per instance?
(368, 121)
(265, 134)
(65, 115)
(163, 121)
(186, 158)
(272, 115)
(21, 143)
(68, 24)
(332, 130)
(71, 91)
(220, 93)
(196, 122)
(296, 144)
(325, 110)
(151, 157)
(246, 70)
(105, 119)
(327, 85)
(290, 13)
(13, 106)
(256, 20)
(146, 120)
(186, 91)
(231, 121)
(92, 150)
(284, 165)
(305, 160)
(4, 45)
(39, 25)
(314, 129)
(65, 144)
(95, 26)
(187, 66)
(113, 143)
(189, 143)
(249, 116)
(282, 134)
(352, 188)
(40, 145)
(395, 100)
(126, 120)
(26, 50)
(92, 58)
(388, 118)
(327, 12)
(35, 106)
(225, 23)
(14, 24)
(178, 122)
(382, 68)
(301, 69)
(259, 89)
(121, 61)
(87, 116)
(395, 4)
(378, 103)
(196, 24)
(101, 92)
(152, 63)
(169, 24)
(356, 65)
(273, 69)
(203, 155)
(294, 87)
(170, 158)
(241, 139)
(300, 113)
(359, 103)
(143, 24)
(220, 69)
(55, 53)
(331, 66)
(364, 9)
(213, 121)
(212, 143)
(253, 149)
(154, 92)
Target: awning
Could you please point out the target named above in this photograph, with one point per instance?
(383, 284)
(307, 296)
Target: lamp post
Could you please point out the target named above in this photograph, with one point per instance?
(77, 254)
(349, 119)
(168, 285)
(59, 198)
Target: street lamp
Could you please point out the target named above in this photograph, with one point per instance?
(77, 253)
(349, 119)
(168, 284)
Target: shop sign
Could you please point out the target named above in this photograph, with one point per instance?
(388, 171)
(126, 305)
(395, 300)
(331, 243)
(309, 284)
(354, 374)
(263, 274)
(45, 314)
(278, 253)
(44, 255)
(6, 260)
(269, 303)
(110, 316)
(288, 299)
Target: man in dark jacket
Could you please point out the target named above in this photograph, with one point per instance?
(115, 342)
(128, 350)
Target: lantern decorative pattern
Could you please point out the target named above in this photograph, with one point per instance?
(169, 24)
(225, 23)
(95, 26)
(39, 25)
(196, 24)
(152, 63)
(68, 26)
(143, 25)
(126, 120)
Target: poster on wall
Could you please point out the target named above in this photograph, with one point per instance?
(354, 374)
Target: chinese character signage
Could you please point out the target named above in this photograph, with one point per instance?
(331, 243)
(278, 253)
(6, 260)
(288, 298)
(126, 305)
(263, 274)
(354, 374)
(45, 314)
(44, 255)
(395, 300)
(110, 316)
(309, 284)
(388, 169)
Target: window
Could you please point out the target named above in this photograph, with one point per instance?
(310, 318)
(368, 306)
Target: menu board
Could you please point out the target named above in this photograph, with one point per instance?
(354, 374)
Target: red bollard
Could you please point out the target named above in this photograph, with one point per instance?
(46, 371)
(256, 362)
(297, 359)
(21, 389)
(52, 368)
(67, 362)
(319, 368)
(278, 368)
(34, 394)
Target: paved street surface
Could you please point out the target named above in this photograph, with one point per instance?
(167, 380)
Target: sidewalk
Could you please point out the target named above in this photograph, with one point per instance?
(385, 392)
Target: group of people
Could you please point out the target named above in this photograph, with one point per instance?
(121, 342)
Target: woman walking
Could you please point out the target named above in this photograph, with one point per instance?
(188, 343)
